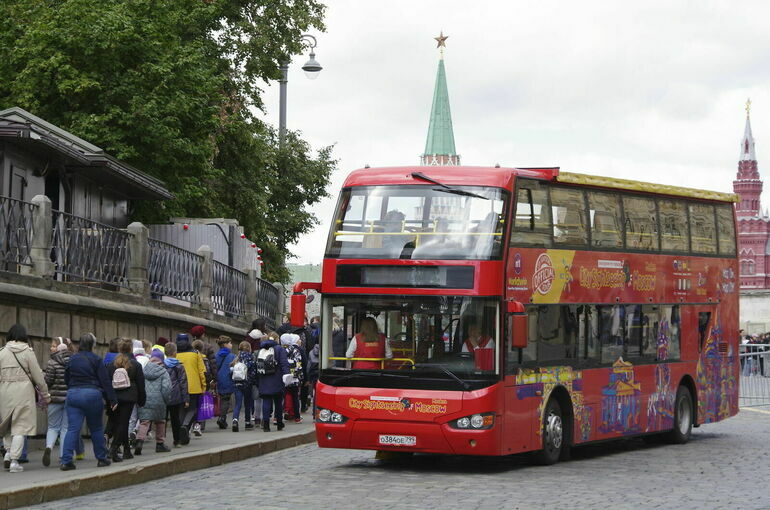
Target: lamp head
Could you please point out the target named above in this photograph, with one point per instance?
(312, 68)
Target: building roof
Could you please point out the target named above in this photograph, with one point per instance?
(20, 126)
(441, 138)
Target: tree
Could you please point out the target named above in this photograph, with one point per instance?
(169, 86)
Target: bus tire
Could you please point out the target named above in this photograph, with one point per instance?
(683, 417)
(552, 434)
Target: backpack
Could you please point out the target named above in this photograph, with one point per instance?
(295, 361)
(120, 379)
(240, 371)
(266, 362)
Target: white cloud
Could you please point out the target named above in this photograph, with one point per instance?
(650, 90)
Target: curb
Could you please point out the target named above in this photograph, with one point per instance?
(64, 489)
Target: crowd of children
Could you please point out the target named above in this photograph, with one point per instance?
(143, 388)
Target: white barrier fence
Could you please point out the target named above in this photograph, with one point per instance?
(755, 375)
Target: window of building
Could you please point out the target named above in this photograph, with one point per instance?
(569, 216)
(605, 216)
(641, 223)
(703, 228)
(725, 229)
(674, 230)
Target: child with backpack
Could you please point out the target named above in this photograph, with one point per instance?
(272, 367)
(243, 373)
(225, 386)
(295, 358)
(127, 379)
(179, 399)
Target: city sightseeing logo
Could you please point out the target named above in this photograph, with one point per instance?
(543, 277)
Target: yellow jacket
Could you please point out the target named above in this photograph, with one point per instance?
(192, 361)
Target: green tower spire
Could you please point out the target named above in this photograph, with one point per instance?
(440, 145)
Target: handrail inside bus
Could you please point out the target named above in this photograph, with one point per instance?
(381, 360)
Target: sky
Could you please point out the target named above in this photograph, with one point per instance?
(651, 91)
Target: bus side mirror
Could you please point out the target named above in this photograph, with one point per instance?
(298, 309)
(519, 333)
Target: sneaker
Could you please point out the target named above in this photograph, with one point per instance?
(7, 460)
(281, 426)
(80, 456)
(16, 467)
(101, 463)
(161, 448)
(131, 438)
(47, 457)
(235, 425)
(68, 467)
(222, 424)
(298, 420)
(266, 427)
(249, 425)
(197, 430)
(127, 455)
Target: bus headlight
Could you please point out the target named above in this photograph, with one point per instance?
(327, 416)
(479, 421)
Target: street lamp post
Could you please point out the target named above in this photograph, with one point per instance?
(311, 68)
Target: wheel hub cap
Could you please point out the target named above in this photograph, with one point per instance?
(553, 431)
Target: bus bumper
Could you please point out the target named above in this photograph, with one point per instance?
(429, 437)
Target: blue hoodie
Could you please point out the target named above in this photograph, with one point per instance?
(110, 357)
(223, 359)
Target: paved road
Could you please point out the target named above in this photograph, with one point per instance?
(726, 465)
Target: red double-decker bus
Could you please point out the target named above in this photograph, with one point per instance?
(491, 311)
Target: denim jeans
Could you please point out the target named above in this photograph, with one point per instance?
(57, 427)
(84, 402)
(243, 396)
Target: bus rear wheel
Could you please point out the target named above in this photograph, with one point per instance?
(552, 434)
(683, 417)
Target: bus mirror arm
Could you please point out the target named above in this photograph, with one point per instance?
(519, 324)
(299, 300)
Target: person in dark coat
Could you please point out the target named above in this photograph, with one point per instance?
(87, 384)
(271, 386)
(225, 387)
(339, 341)
(127, 398)
(61, 350)
(179, 400)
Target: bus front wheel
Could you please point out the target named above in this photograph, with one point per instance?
(683, 417)
(552, 434)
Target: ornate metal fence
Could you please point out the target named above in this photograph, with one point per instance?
(174, 272)
(267, 302)
(16, 238)
(87, 251)
(228, 291)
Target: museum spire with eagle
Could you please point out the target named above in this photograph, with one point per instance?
(440, 144)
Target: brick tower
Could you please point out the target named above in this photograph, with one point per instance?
(753, 224)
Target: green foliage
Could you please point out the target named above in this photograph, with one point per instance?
(169, 86)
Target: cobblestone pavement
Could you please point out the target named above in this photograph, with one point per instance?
(725, 465)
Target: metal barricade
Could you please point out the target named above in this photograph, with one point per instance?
(755, 375)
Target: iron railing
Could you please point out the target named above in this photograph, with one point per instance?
(174, 272)
(228, 290)
(16, 239)
(267, 302)
(84, 250)
(755, 375)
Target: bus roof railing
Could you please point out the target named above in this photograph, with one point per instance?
(647, 187)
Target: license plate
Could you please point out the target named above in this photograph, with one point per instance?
(386, 439)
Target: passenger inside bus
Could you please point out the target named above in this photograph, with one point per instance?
(368, 343)
(481, 345)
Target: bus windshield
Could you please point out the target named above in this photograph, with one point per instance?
(419, 222)
(450, 337)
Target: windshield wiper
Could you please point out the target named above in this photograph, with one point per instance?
(445, 188)
(448, 372)
(422, 176)
(460, 192)
(374, 374)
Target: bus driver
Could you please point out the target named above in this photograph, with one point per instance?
(369, 343)
(481, 346)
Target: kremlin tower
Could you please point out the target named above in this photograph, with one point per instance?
(753, 224)
(440, 145)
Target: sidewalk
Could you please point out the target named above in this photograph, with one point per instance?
(38, 484)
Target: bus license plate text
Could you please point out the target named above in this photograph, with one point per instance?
(386, 439)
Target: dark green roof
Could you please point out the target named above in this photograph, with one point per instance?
(441, 138)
